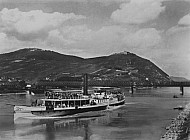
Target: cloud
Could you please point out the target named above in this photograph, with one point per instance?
(108, 1)
(110, 39)
(179, 50)
(138, 11)
(82, 41)
(3, 36)
(11, 43)
(95, 137)
(37, 1)
(45, 1)
(68, 35)
(35, 22)
(185, 21)
(176, 51)
(148, 37)
(182, 27)
(53, 31)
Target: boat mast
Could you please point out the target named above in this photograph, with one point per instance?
(85, 84)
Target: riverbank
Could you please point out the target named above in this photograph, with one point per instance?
(179, 127)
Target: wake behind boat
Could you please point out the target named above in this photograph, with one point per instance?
(70, 102)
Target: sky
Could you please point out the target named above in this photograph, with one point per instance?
(158, 30)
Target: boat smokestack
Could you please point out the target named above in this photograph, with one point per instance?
(85, 84)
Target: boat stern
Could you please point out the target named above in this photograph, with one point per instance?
(26, 111)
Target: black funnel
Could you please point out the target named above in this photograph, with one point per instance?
(85, 84)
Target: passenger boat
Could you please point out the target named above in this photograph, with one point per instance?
(70, 102)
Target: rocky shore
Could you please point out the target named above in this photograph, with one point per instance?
(179, 127)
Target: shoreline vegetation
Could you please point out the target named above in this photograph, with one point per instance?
(179, 126)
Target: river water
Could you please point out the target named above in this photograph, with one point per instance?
(144, 117)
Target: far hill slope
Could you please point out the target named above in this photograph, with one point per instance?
(35, 64)
(32, 64)
(128, 66)
(179, 79)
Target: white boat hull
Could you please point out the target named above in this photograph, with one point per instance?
(41, 112)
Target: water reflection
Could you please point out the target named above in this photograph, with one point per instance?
(55, 129)
(6, 117)
(80, 128)
(6, 122)
(50, 131)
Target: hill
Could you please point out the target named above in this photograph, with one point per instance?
(34, 64)
(179, 79)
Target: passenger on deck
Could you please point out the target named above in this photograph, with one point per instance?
(63, 105)
(34, 102)
(39, 102)
(58, 105)
(92, 102)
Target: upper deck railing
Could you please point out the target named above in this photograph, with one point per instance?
(64, 94)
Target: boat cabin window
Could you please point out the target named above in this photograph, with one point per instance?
(71, 103)
(58, 104)
(49, 105)
(64, 104)
(85, 102)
